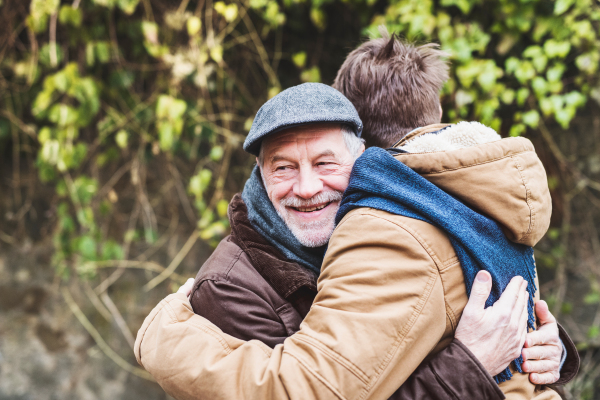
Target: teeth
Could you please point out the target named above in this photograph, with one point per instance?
(313, 208)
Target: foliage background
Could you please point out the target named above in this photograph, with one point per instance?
(121, 123)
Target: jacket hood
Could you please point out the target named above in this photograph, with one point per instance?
(502, 179)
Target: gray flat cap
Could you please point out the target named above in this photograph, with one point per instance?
(301, 105)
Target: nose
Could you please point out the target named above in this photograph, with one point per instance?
(308, 184)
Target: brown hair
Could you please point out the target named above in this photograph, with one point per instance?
(395, 87)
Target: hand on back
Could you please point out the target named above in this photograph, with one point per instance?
(496, 335)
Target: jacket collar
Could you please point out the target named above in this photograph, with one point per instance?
(285, 276)
(420, 131)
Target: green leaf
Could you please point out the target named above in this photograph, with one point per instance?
(592, 298)
(128, 6)
(517, 130)
(121, 138)
(194, 24)
(222, 207)
(216, 153)
(522, 95)
(311, 75)
(70, 16)
(87, 247)
(555, 48)
(562, 5)
(531, 118)
(299, 59)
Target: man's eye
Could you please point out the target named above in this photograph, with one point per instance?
(282, 168)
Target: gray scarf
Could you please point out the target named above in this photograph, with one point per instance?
(268, 223)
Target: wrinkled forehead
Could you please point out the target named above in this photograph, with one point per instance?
(306, 139)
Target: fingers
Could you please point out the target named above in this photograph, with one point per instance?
(548, 352)
(545, 335)
(187, 287)
(544, 379)
(523, 323)
(543, 314)
(482, 287)
(540, 366)
(509, 297)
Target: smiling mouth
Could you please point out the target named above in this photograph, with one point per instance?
(311, 209)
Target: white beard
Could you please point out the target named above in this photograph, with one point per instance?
(313, 233)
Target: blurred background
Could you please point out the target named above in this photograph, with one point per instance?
(121, 124)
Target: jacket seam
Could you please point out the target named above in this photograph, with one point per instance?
(235, 259)
(475, 164)
(400, 338)
(202, 327)
(211, 332)
(418, 309)
(341, 360)
(316, 375)
(228, 282)
(528, 201)
(443, 384)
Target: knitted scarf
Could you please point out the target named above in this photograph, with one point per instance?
(380, 181)
(268, 223)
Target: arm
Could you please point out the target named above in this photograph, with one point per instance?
(377, 295)
(239, 312)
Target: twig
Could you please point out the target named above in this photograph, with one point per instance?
(118, 319)
(117, 274)
(144, 265)
(110, 353)
(96, 301)
(185, 202)
(52, 34)
(7, 238)
(175, 263)
(22, 126)
(113, 180)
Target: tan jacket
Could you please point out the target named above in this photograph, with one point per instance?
(390, 295)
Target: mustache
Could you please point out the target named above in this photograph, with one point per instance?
(320, 198)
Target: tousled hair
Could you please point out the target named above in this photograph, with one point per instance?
(394, 86)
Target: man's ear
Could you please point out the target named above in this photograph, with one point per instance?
(441, 112)
(362, 148)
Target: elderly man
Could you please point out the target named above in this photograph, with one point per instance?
(348, 346)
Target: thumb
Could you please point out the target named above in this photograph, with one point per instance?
(482, 287)
(543, 314)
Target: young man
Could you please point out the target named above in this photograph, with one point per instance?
(252, 310)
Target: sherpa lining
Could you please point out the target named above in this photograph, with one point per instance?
(458, 136)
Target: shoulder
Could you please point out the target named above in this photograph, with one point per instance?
(229, 263)
(228, 273)
(401, 232)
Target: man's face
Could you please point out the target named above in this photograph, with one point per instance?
(305, 171)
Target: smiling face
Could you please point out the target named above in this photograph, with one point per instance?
(305, 171)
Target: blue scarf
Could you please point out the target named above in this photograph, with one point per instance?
(268, 223)
(380, 181)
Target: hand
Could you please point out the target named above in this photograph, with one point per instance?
(543, 348)
(187, 287)
(495, 335)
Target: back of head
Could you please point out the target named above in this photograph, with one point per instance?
(394, 86)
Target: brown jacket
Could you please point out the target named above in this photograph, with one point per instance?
(251, 291)
(387, 299)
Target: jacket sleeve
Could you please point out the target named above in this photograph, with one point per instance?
(378, 313)
(453, 373)
(239, 312)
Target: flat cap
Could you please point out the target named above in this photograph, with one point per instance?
(300, 105)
